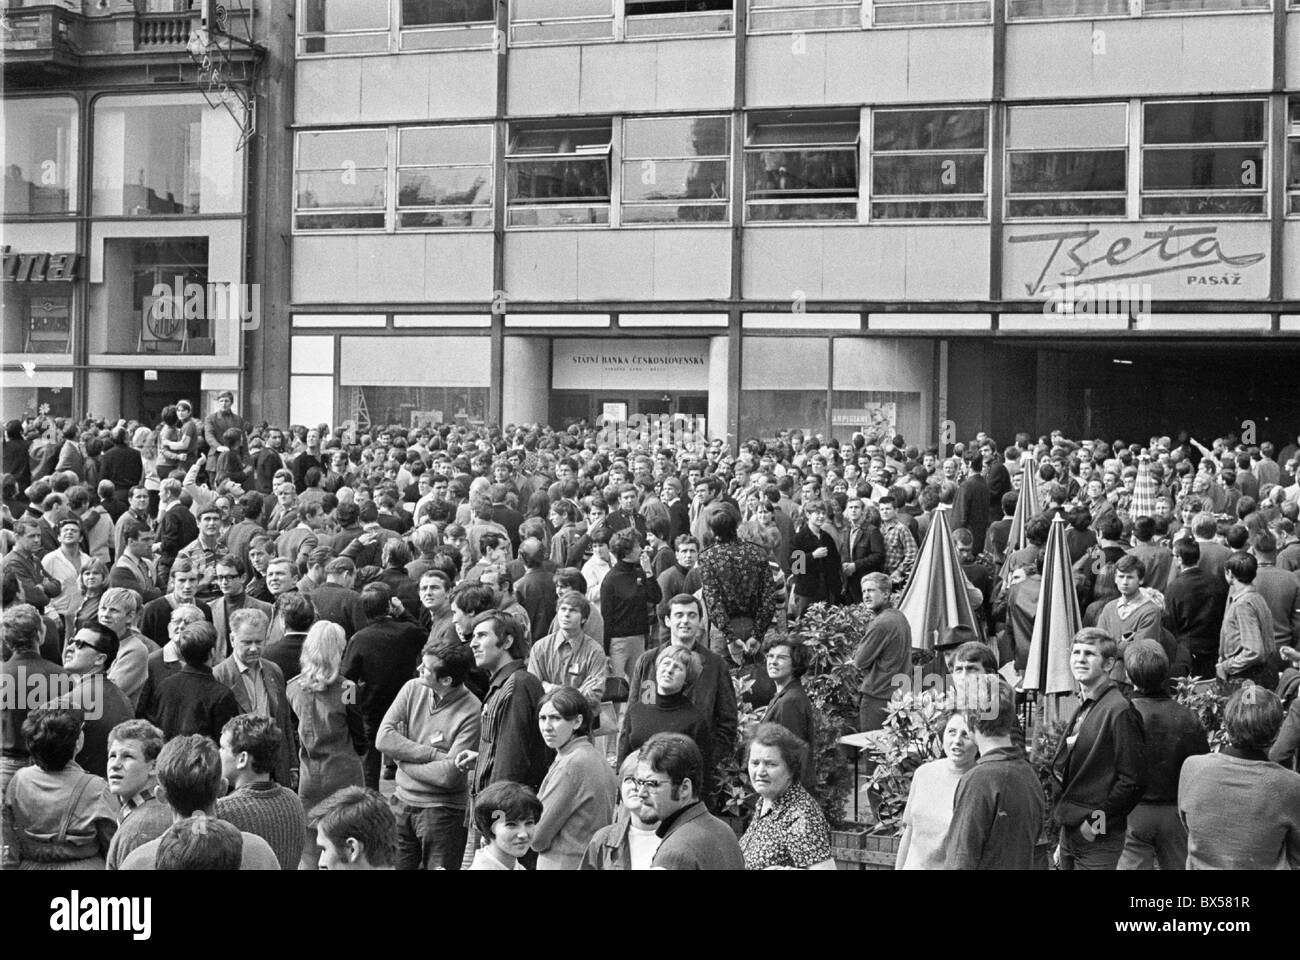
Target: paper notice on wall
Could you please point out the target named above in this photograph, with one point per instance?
(876, 421)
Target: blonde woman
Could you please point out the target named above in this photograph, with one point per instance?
(331, 734)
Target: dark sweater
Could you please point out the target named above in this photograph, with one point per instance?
(271, 812)
(1172, 735)
(997, 814)
(193, 701)
(624, 595)
(1194, 605)
(668, 714)
(379, 659)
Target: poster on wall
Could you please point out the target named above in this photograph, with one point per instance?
(876, 421)
(614, 412)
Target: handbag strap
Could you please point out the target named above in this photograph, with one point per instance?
(77, 793)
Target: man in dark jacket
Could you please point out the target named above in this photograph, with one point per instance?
(627, 594)
(193, 700)
(971, 508)
(1100, 762)
(379, 659)
(814, 562)
(336, 600)
(864, 550)
(177, 528)
(120, 462)
(535, 590)
(1194, 605)
(503, 514)
(669, 766)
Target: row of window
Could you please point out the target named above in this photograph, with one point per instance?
(165, 155)
(334, 27)
(1204, 158)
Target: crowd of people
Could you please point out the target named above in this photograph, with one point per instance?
(222, 641)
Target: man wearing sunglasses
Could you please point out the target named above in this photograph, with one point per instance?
(88, 658)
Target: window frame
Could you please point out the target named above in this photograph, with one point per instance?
(392, 208)
(808, 144)
(615, 19)
(1291, 172)
(927, 24)
(625, 159)
(860, 21)
(1136, 11)
(75, 173)
(622, 17)
(1262, 190)
(300, 36)
(868, 184)
(613, 173)
(1008, 150)
(445, 29)
(398, 166)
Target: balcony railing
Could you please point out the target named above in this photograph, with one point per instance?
(155, 31)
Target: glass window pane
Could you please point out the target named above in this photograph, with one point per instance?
(670, 213)
(329, 16)
(1203, 206)
(331, 190)
(675, 180)
(928, 129)
(911, 175)
(1223, 121)
(339, 150)
(929, 210)
(165, 155)
(558, 216)
(439, 145)
(1201, 6)
(558, 181)
(139, 297)
(1067, 171)
(1227, 168)
(676, 137)
(339, 221)
(444, 186)
(1053, 9)
(424, 13)
(799, 173)
(551, 138)
(38, 319)
(1293, 165)
(891, 12)
(1087, 125)
(820, 210)
(346, 43)
(814, 18)
(1068, 207)
(40, 155)
(560, 9)
(775, 134)
(448, 217)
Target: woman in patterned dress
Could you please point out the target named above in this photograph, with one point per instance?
(789, 831)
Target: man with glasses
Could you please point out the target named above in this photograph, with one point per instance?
(88, 658)
(669, 770)
(229, 578)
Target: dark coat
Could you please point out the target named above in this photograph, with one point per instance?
(793, 710)
(1106, 768)
(535, 591)
(379, 659)
(816, 579)
(338, 604)
(867, 554)
(193, 701)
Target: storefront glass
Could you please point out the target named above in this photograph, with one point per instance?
(784, 385)
(40, 155)
(155, 298)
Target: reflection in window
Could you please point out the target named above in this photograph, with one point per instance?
(664, 18)
(802, 165)
(40, 156)
(433, 24)
(1201, 158)
(561, 21)
(766, 413)
(38, 318)
(557, 172)
(343, 26)
(444, 177)
(928, 164)
(156, 298)
(1065, 9)
(1067, 161)
(675, 169)
(340, 180)
(413, 407)
(165, 156)
(886, 13)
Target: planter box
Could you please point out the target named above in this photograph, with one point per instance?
(877, 851)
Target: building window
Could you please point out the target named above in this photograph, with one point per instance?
(340, 180)
(781, 16)
(557, 173)
(38, 318)
(928, 164)
(802, 165)
(156, 298)
(1201, 6)
(1204, 158)
(343, 26)
(40, 156)
(1065, 9)
(444, 177)
(1067, 161)
(675, 169)
(434, 24)
(165, 156)
(674, 18)
(561, 21)
(1293, 160)
(889, 13)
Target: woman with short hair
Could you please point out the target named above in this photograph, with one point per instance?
(670, 710)
(579, 790)
(789, 830)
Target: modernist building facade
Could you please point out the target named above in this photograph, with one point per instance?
(1003, 214)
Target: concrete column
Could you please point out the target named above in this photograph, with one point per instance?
(720, 412)
(526, 380)
(104, 393)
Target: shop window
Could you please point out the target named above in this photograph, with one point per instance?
(1204, 158)
(40, 156)
(781, 16)
(413, 407)
(783, 385)
(340, 180)
(802, 165)
(675, 169)
(434, 24)
(928, 164)
(557, 172)
(444, 177)
(1293, 160)
(668, 18)
(165, 156)
(561, 21)
(38, 318)
(1067, 161)
(889, 13)
(343, 26)
(156, 298)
